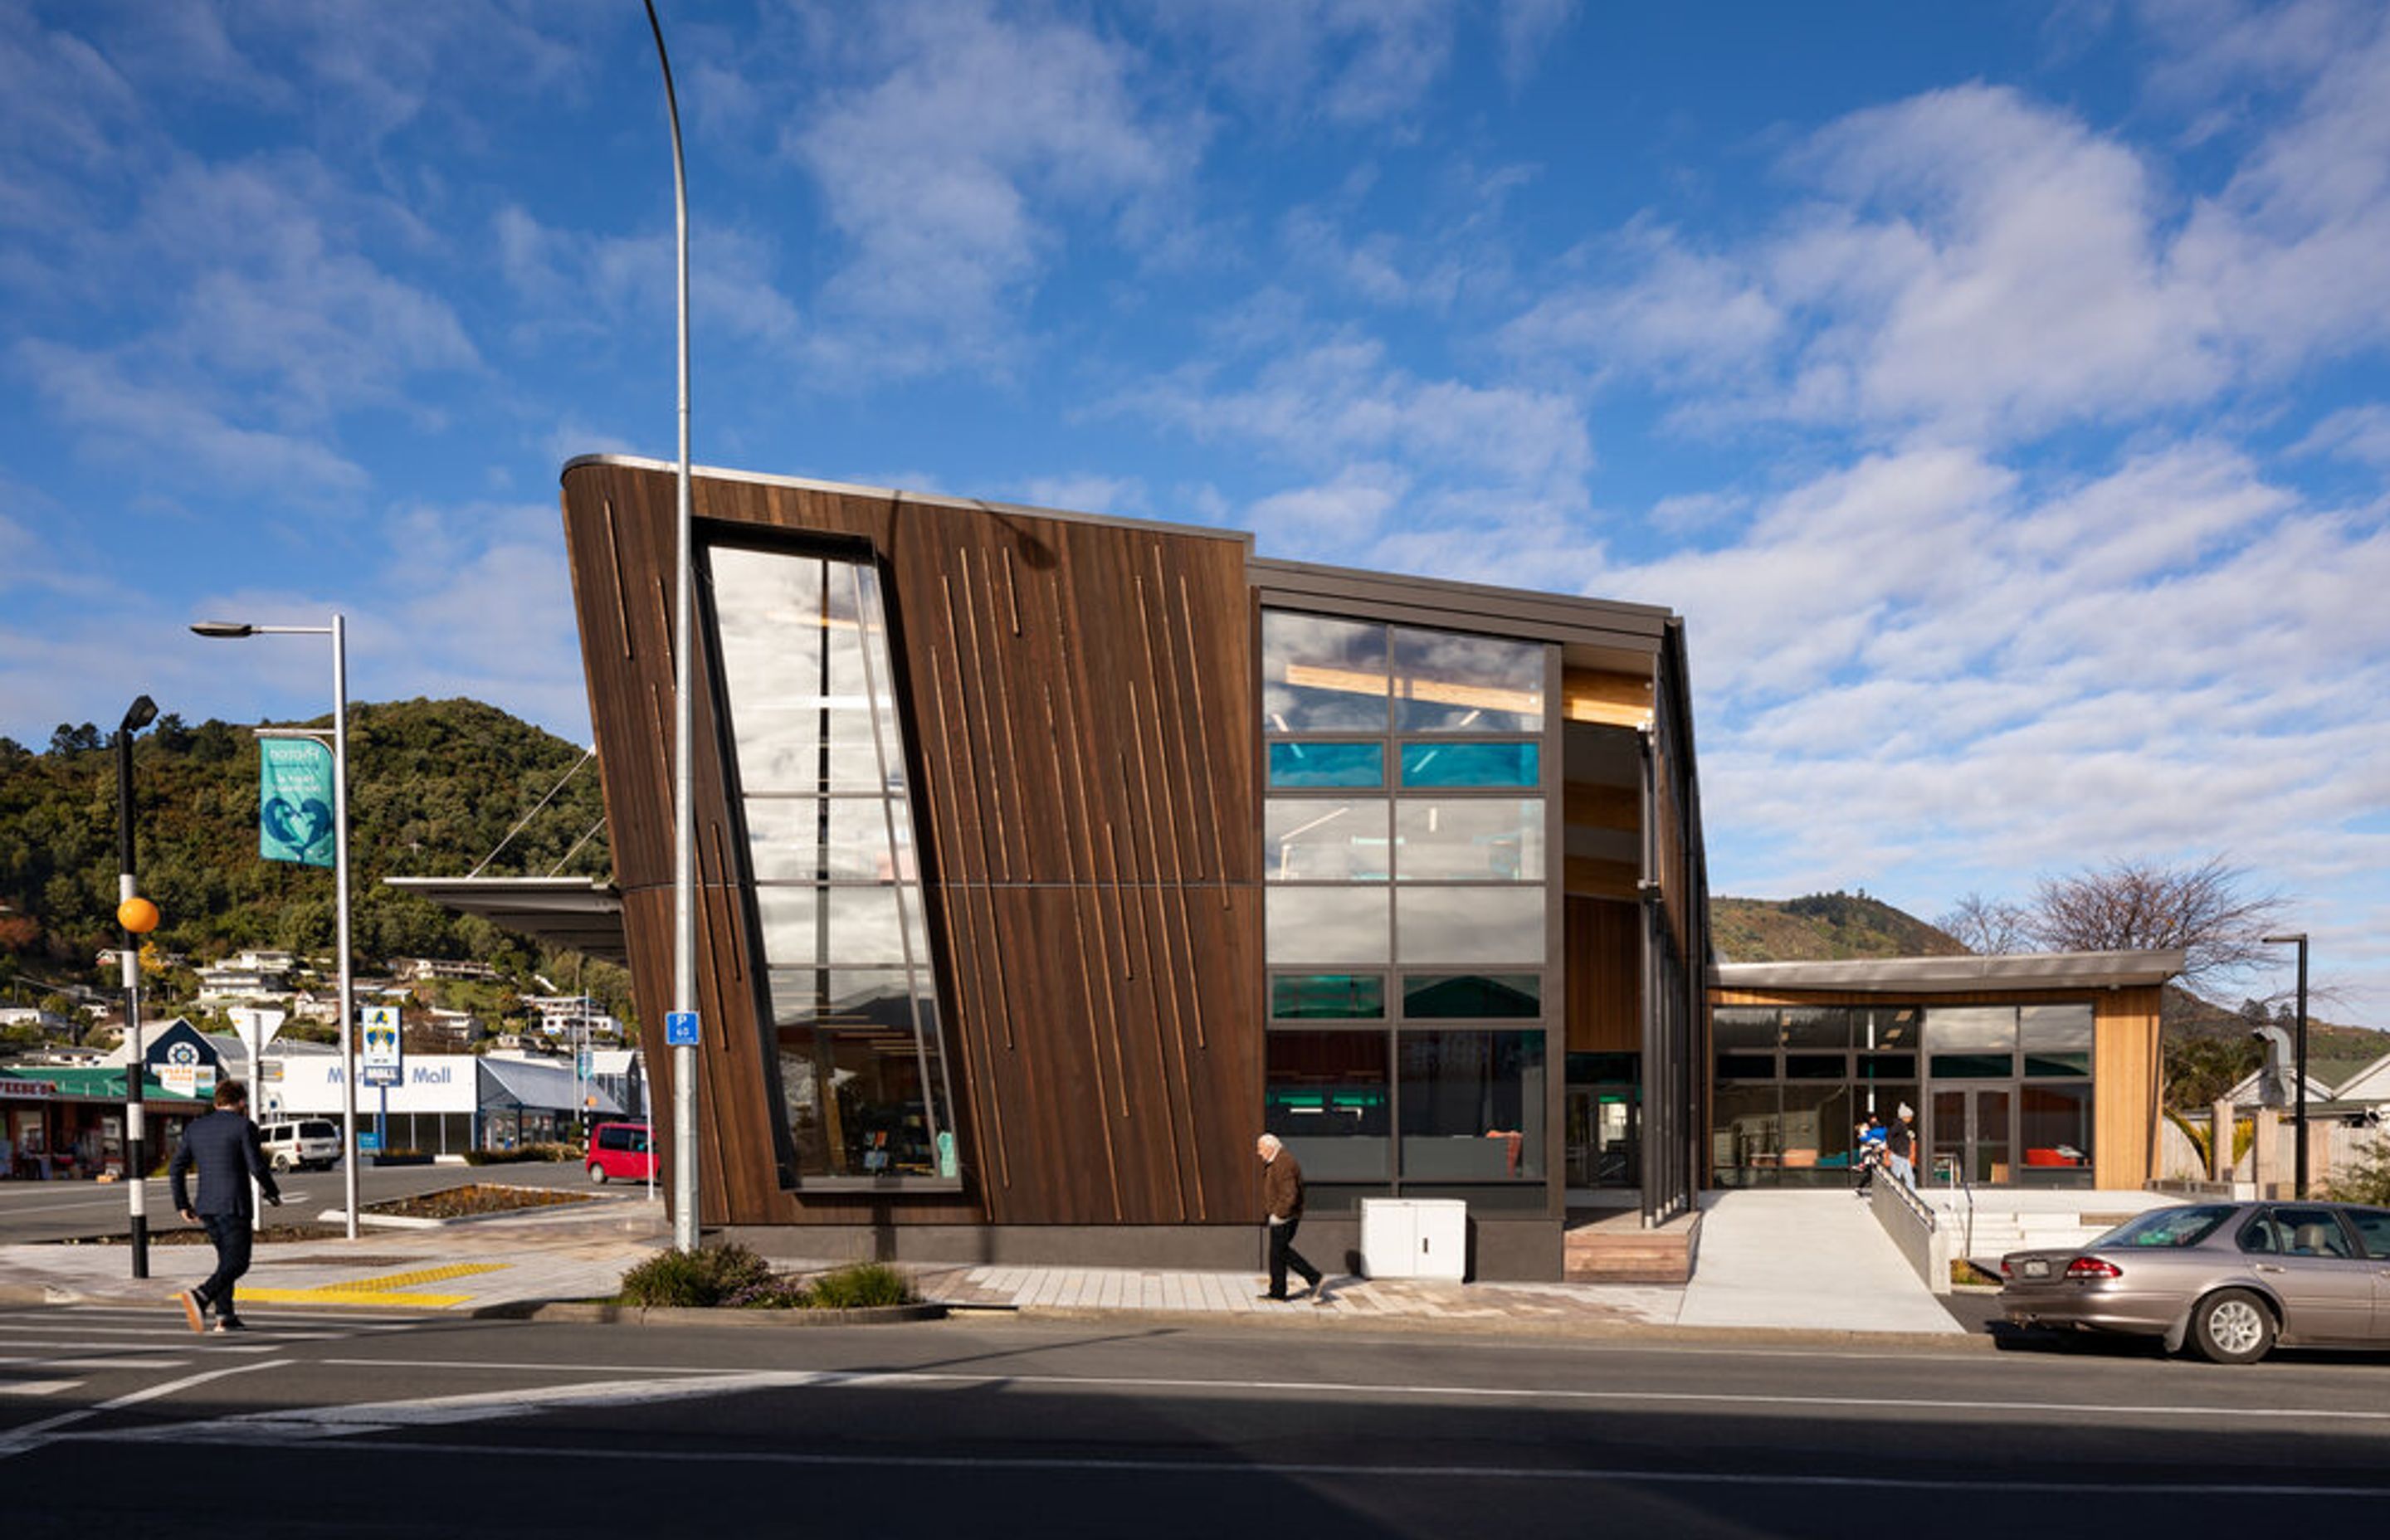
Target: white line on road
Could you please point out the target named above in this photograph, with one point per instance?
(36, 1387)
(34, 1434)
(833, 1379)
(222, 1432)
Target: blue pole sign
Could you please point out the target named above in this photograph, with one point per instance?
(680, 1029)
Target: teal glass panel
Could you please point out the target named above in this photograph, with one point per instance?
(1471, 764)
(1328, 997)
(1485, 996)
(1973, 1066)
(1327, 764)
(2068, 1064)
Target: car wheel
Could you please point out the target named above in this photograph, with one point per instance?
(2233, 1326)
(598, 1175)
(282, 1165)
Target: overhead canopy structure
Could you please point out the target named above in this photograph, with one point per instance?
(563, 911)
(1956, 974)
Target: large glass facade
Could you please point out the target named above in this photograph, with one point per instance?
(2002, 1093)
(1406, 914)
(851, 1035)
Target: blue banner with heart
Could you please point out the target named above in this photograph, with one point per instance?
(294, 801)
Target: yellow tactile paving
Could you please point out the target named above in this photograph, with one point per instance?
(394, 1288)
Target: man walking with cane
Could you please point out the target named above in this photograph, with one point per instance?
(224, 1146)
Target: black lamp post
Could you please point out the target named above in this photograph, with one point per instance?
(138, 916)
(2299, 1117)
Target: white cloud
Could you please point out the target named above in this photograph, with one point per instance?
(1089, 493)
(2360, 434)
(949, 173)
(179, 430)
(1338, 400)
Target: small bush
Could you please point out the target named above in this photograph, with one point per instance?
(522, 1154)
(707, 1276)
(2367, 1179)
(859, 1285)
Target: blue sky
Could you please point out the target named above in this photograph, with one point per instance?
(1999, 389)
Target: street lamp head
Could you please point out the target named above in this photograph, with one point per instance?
(2298, 940)
(139, 715)
(223, 628)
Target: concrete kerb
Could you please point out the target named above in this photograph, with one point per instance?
(1420, 1326)
(595, 1314)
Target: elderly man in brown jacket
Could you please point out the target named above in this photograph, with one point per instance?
(1283, 1198)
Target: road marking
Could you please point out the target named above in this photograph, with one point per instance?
(841, 1378)
(101, 1363)
(34, 1434)
(36, 1387)
(393, 1288)
(227, 1433)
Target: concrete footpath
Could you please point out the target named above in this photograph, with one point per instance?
(1777, 1262)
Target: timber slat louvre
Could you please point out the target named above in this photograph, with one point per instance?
(1115, 831)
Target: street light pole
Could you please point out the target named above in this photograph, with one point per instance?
(138, 715)
(339, 632)
(2299, 1050)
(684, 1057)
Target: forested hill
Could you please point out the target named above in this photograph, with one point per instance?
(1820, 928)
(433, 787)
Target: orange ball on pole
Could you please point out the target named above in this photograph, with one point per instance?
(137, 914)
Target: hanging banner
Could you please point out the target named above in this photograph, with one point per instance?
(294, 801)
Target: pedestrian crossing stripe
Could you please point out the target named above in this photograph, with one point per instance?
(393, 1288)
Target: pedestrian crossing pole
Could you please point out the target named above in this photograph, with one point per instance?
(138, 916)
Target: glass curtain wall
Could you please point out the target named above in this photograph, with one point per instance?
(1404, 844)
(2001, 1092)
(851, 1044)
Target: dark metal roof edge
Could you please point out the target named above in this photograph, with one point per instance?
(2019, 970)
(1306, 577)
(898, 494)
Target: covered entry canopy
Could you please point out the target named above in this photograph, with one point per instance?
(578, 912)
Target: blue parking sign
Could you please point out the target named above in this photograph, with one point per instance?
(680, 1029)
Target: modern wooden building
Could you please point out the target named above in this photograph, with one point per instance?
(1044, 860)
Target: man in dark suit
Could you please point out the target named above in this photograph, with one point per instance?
(224, 1146)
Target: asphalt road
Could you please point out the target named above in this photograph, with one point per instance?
(382, 1426)
(63, 1211)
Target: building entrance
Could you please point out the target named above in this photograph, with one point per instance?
(1970, 1134)
(1604, 1135)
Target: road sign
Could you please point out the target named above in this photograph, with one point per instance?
(580, 1064)
(680, 1029)
(381, 1057)
(378, 1075)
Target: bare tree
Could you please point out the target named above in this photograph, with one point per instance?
(1988, 927)
(2209, 911)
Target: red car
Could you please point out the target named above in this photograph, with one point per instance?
(620, 1151)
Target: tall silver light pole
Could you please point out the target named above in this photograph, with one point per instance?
(684, 1183)
(339, 632)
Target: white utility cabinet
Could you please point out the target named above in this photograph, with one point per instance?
(1413, 1237)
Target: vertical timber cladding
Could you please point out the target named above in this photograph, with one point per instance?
(1077, 694)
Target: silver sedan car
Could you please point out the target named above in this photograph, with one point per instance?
(2228, 1280)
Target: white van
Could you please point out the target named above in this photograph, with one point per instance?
(310, 1143)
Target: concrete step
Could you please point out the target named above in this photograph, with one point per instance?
(1595, 1255)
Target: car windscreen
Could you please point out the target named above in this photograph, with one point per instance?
(318, 1131)
(2165, 1227)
